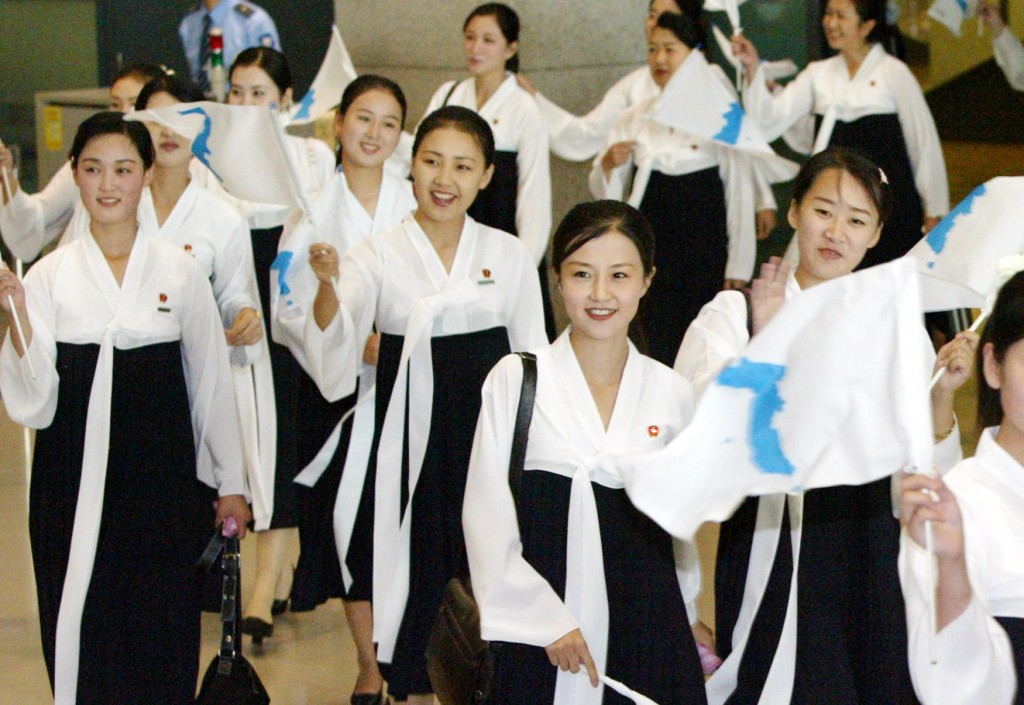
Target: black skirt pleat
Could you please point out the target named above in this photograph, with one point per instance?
(1014, 628)
(140, 625)
(851, 624)
(688, 215)
(438, 548)
(318, 573)
(650, 645)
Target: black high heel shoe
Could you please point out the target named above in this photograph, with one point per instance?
(278, 607)
(257, 629)
(369, 698)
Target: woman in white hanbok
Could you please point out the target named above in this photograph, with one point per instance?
(450, 297)
(125, 372)
(571, 575)
(977, 516)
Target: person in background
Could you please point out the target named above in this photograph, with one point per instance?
(336, 517)
(261, 76)
(863, 99)
(243, 23)
(581, 137)
(450, 297)
(518, 198)
(1009, 51)
(697, 194)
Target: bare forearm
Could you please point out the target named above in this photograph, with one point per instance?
(325, 306)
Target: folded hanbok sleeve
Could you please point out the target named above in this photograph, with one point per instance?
(30, 222)
(516, 603)
(975, 661)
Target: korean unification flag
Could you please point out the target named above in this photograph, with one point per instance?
(961, 260)
(730, 7)
(834, 391)
(336, 72)
(952, 13)
(698, 102)
(242, 145)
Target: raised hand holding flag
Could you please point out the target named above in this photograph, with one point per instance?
(717, 116)
(768, 425)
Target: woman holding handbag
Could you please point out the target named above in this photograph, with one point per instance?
(570, 574)
(124, 370)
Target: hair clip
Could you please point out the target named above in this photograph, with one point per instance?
(881, 175)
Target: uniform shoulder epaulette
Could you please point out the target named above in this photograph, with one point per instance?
(244, 10)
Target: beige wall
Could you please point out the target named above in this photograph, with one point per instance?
(46, 45)
(572, 49)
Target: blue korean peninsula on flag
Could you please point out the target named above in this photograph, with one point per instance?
(242, 145)
(960, 260)
(696, 101)
(336, 72)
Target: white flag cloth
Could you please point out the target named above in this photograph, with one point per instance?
(831, 392)
(241, 145)
(730, 7)
(336, 72)
(962, 260)
(952, 13)
(717, 116)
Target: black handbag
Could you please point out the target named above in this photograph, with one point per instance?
(459, 662)
(230, 678)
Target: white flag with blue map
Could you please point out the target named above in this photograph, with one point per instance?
(960, 259)
(242, 145)
(952, 13)
(834, 391)
(697, 101)
(336, 72)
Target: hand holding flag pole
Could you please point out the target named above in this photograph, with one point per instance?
(973, 329)
(17, 324)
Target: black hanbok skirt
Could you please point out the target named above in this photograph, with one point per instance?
(650, 644)
(688, 215)
(1014, 628)
(851, 625)
(438, 547)
(140, 626)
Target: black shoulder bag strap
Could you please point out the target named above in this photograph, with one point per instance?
(523, 416)
(446, 99)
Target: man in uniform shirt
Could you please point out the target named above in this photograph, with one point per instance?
(244, 25)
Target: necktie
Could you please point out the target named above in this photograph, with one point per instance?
(204, 55)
